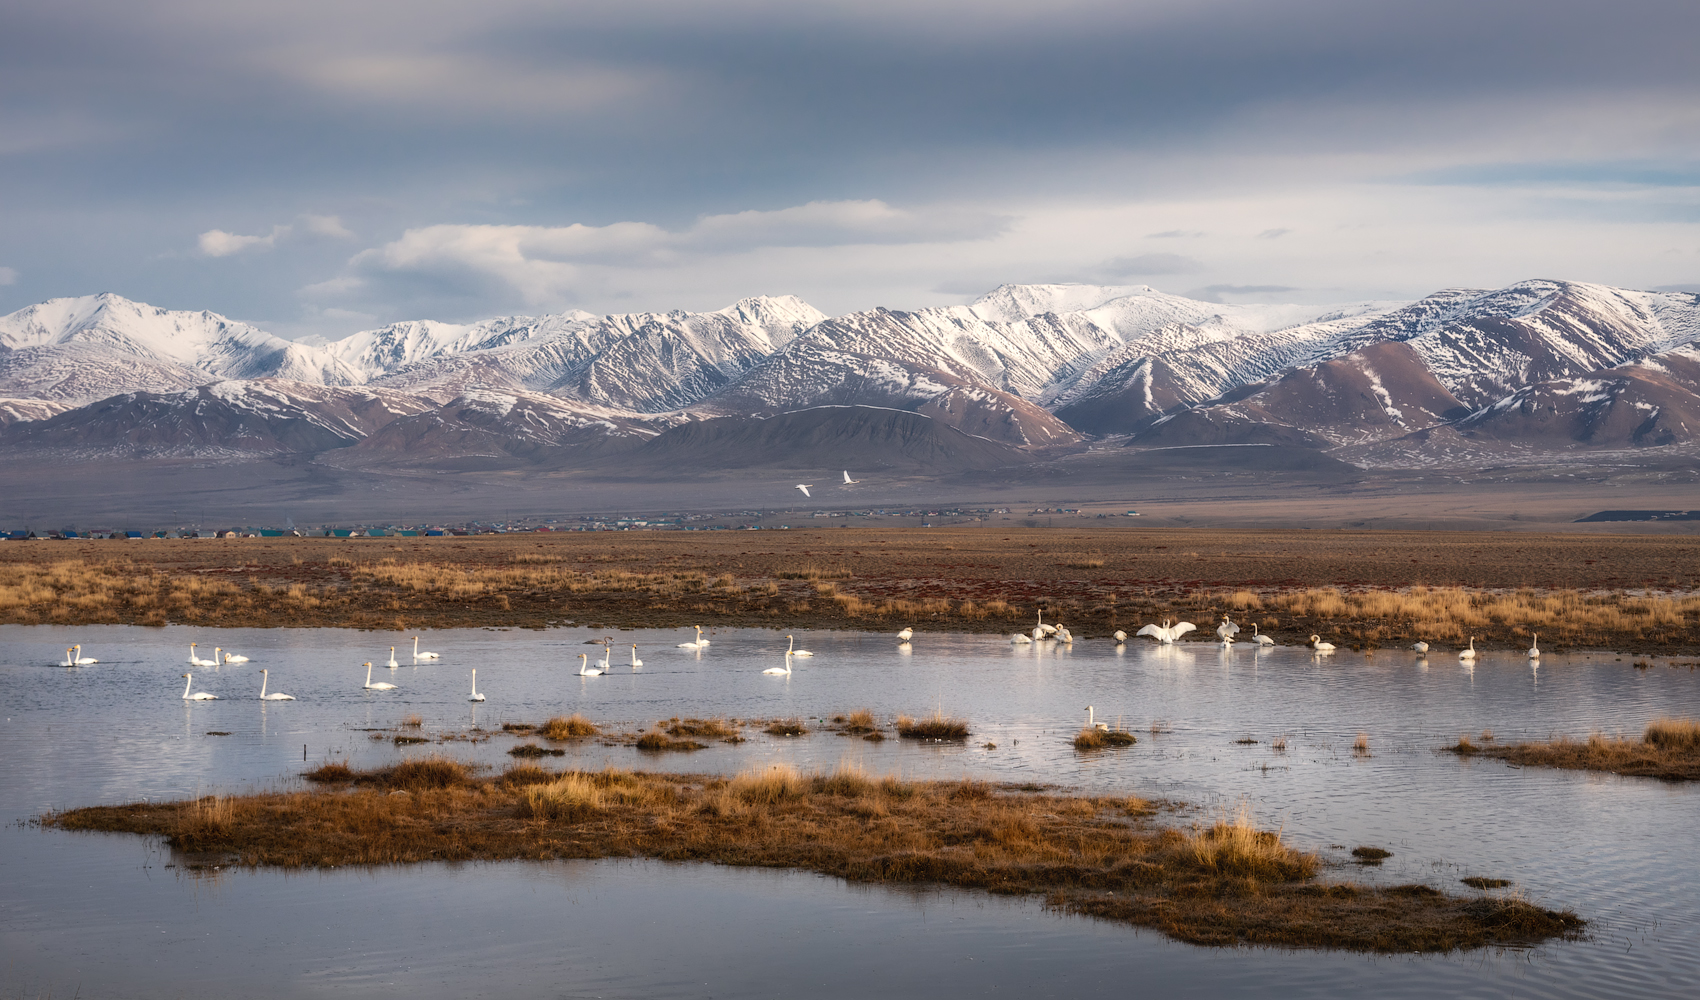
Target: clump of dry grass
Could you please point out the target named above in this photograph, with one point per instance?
(1278, 744)
(331, 771)
(937, 726)
(1093, 738)
(1360, 745)
(1668, 749)
(533, 750)
(412, 721)
(1479, 882)
(655, 739)
(1228, 883)
(860, 721)
(569, 727)
(716, 728)
(786, 727)
(1371, 855)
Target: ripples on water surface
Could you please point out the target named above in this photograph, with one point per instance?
(103, 915)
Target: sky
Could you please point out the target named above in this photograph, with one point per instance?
(319, 168)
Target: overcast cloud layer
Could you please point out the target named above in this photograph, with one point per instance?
(317, 168)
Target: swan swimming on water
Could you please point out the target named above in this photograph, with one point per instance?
(1020, 639)
(636, 663)
(69, 661)
(584, 667)
(198, 695)
(792, 651)
(1259, 637)
(417, 655)
(906, 635)
(780, 670)
(1534, 648)
(274, 696)
(381, 685)
(233, 658)
(392, 664)
(475, 696)
(697, 643)
(1470, 653)
(1320, 646)
(80, 658)
(196, 661)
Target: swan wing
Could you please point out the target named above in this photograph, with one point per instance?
(1155, 631)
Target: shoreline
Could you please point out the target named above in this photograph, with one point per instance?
(1358, 590)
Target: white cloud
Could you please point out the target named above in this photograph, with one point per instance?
(218, 243)
(551, 264)
(8, 276)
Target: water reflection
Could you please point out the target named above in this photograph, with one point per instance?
(107, 732)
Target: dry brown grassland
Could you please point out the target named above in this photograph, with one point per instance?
(1223, 883)
(1668, 749)
(1359, 589)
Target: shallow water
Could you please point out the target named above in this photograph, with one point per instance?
(105, 916)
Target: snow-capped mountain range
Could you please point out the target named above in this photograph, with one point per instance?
(1027, 369)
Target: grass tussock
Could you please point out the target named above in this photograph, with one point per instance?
(1371, 855)
(1104, 856)
(716, 728)
(570, 727)
(1093, 738)
(1668, 749)
(1478, 882)
(860, 721)
(533, 750)
(787, 727)
(937, 726)
(657, 740)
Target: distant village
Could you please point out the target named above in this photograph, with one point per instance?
(742, 520)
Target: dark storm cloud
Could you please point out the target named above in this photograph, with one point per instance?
(129, 131)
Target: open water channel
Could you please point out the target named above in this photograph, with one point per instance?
(112, 916)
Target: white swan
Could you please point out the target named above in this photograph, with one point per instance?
(791, 651)
(702, 640)
(232, 658)
(196, 661)
(1470, 653)
(417, 655)
(274, 696)
(1420, 646)
(392, 664)
(1166, 633)
(69, 661)
(475, 696)
(1259, 637)
(585, 669)
(697, 643)
(381, 685)
(805, 488)
(1020, 639)
(1064, 636)
(80, 658)
(780, 670)
(847, 480)
(607, 653)
(1320, 646)
(906, 635)
(1119, 636)
(636, 663)
(1534, 648)
(198, 695)
(1093, 723)
(1227, 630)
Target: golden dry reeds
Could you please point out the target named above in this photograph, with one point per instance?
(936, 726)
(1668, 749)
(1227, 883)
(569, 727)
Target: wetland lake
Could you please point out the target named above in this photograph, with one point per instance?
(104, 915)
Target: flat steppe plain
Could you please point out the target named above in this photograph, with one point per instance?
(1355, 588)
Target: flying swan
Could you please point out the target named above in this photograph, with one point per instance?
(274, 696)
(847, 480)
(805, 488)
(198, 695)
(417, 655)
(381, 685)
